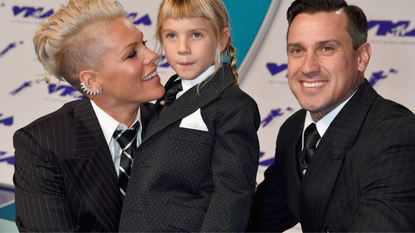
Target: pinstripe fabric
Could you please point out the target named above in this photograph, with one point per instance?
(64, 175)
(361, 178)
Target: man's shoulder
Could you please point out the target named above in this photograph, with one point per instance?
(386, 111)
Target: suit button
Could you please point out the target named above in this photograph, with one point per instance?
(327, 229)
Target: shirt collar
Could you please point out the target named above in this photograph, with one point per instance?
(187, 84)
(109, 124)
(324, 123)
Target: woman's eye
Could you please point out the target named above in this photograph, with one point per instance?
(196, 35)
(144, 42)
(131, 55)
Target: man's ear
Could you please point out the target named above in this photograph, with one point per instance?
(365, 51)
(224, 38)
(89, 78)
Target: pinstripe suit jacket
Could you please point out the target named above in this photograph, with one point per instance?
(191, 180)
(64, 174)
(361, 179)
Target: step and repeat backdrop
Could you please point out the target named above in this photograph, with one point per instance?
(258, 31)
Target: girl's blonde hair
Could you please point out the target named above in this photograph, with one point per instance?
(212, 10)
(71, 39)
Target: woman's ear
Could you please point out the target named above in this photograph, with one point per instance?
(224, 38)
(89, 82)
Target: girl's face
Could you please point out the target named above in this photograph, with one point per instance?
(190, 45)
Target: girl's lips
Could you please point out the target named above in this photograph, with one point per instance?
(186, 64)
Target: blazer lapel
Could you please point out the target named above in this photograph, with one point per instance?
(290, 170)
(190, 101)
(92, 169)
(145, 110)
(322, 173)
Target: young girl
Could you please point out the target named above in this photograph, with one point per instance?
(197, 164)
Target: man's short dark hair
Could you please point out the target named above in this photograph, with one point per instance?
(357, 22)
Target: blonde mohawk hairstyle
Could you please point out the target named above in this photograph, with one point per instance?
(71, 39)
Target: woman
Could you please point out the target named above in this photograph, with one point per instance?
(67, 163)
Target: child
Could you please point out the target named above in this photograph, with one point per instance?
(197, 164)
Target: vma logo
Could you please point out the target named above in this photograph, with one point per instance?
(162, 62)
(266, 122)
(65, 90)
(31, 12)
(376, 76)
(266, 162)
(275, 69)
(8, 48)
(7, 121)
(137, 20)
(275, 114)
(8, 160)
(400, 28)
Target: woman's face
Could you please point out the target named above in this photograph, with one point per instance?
(128, 74)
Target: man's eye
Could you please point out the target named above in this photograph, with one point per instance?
(327, 49)
(295, 51)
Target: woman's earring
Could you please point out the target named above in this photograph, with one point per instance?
(89, 91)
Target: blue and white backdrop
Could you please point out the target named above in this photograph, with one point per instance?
(258, 31)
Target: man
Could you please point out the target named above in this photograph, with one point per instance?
(359, 176)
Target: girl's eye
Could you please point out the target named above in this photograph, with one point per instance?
(131, 55)
(171, 36)
(144, 42)
(196, 35)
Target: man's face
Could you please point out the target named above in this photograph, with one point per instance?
(323, 67)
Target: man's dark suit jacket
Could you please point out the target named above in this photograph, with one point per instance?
(191, 180)
(361, 179)
(64, 176)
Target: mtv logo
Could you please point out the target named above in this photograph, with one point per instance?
(389, 28)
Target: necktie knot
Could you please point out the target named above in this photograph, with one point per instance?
(170, 95)
(127, 141)
(311, 137)
(125, 137)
